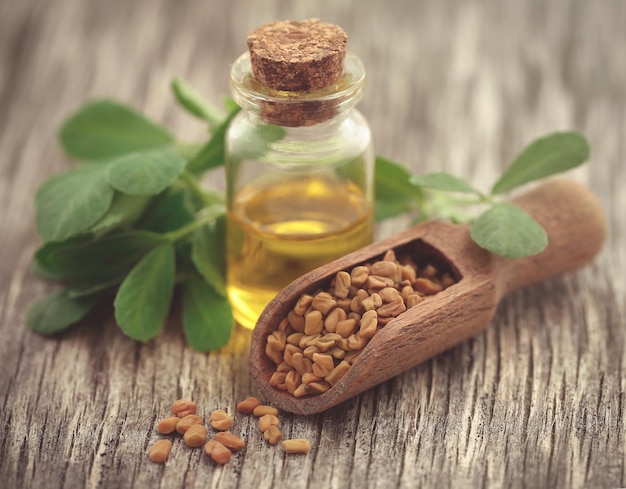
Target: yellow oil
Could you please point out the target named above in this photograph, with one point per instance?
(279, 232)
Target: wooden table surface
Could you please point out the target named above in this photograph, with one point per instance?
(537, 400)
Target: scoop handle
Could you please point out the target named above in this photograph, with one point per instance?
(575, 224)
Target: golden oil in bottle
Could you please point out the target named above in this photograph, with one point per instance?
(278, 232)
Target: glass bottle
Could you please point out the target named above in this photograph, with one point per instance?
(299, 178)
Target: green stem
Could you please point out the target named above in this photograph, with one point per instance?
(194, 186)
(206, 216)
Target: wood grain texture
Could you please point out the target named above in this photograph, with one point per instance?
(536, 400)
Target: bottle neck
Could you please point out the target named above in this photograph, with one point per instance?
(297, 109)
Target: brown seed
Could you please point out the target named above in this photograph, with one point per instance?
(383, 269)
(308, 340)
(277, 378)
(218, 452)
(389, 294)
(356, 342)
(323, 364)
(323, 302)
(160, 451)
(282, 367)
(230, 441)
(392, 309)
(292, 381)
(294, 339)
(289, 351)
(342, 285)
(313, 322)
(372, 302)
(426, 286)
(220, 420)
(284, 326)
(358, 275)
(317, 387)
(168, 425)
(296, 446)
(262, 410)
(378, 282)
(309, 350)
(247, 405)
(338, 372)
(277, 340)
(296, 321)
(187, 422)
(268, 420)
(408, 273)
(369, 323)
(413, 300)
(273, 354)
(303, 303)
(333, 318)
(429, 271)
(272, 435)
(390, 255)
(195, 436)
(338, 353)
(183, 407)
(346, 327)
(309, 378)
(301, 391)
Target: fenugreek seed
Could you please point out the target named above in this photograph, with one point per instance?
(358, 275)
(292, 381)
(296, 446)
(447, 280)
(268, 420)
(343, 344)
(220, 420)
(168, 425)
(309, 340)
(247, 405)
(195, 436)
(356, 342)
(263, 409)
(310, 377)
(301, 391)
(272, 435)
(160, 451)
(317, 387)
(334, 316)
(230, 441)
(284, 326)
(377, 282)
(277, 340)
(413, 300)
(389, 294)
(273, 354)
(356, 304)
(342, 285)
(356, 316)
(301, 363)
(309, 350)
(296, 321)
(407, 290)
(383, 269)
(426, 286)
(392, 309)
(303, 303)
(338, 372)
(369, 323)
(183, 407)
(324, 302)
(408, 273)
(323, 364)
(324, 344)
(218, 452)
(429, 271)
(283, 367)
(338, 353)
(187, 422)
(289, 351)
(346, 327)
(372, 302)
(277, 378)
(390, 255)
(294, 339)
(313, 323)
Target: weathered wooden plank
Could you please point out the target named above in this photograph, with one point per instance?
(537, 400)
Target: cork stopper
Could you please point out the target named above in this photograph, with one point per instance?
(297, 56)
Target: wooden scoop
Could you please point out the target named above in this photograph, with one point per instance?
(574, 222)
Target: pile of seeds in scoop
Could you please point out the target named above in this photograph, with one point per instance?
(315, 345)
(186, 422)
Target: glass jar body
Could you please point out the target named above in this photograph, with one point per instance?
(297, 198)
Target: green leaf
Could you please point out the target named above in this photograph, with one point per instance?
(213, 153)
(209, 254)
(207, 317)
(193, 102)
(143, 299)
(507, 230)
(105, 129)
(444, 181)
(92, 285)
(395, 194)
(55, 312)
(71, 202)
(169, 211)
(254, 141)
(106, 257)
(146, 172)
(546, 156)
(124, 210)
